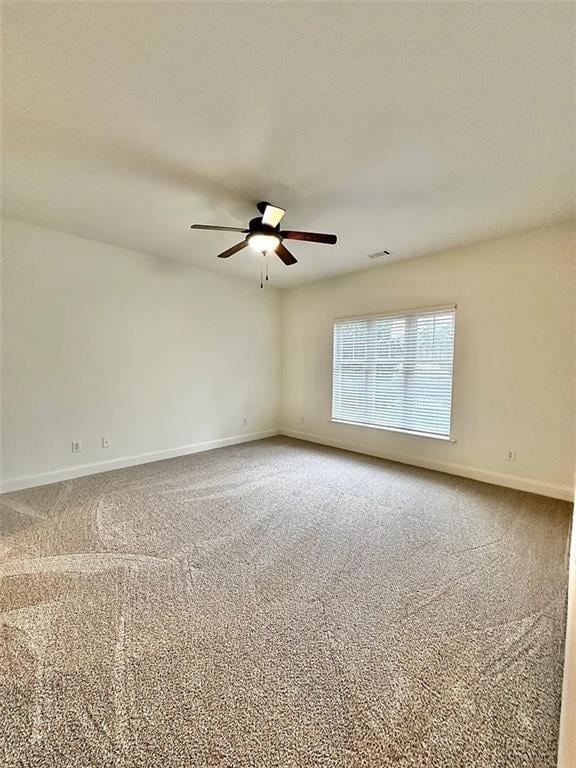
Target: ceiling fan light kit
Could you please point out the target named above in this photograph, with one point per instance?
(263, 243)
(264, 236)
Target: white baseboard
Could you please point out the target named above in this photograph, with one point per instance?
(485, 476)
(31, 481)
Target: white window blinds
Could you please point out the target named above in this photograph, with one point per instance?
(395, 371)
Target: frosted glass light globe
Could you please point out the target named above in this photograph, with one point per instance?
(263, 243)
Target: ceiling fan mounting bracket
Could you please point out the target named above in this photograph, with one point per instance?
(262, 207)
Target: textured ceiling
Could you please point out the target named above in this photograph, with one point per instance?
(411, 127)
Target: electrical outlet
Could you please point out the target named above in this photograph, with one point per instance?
(511, 454)
(105, 442)
(244, 421)
(301, 419)
(76, 446)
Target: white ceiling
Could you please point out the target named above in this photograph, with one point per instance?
(405, 126)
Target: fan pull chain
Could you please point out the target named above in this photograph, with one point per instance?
(264, 269)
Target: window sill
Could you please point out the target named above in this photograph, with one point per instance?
(426, 435)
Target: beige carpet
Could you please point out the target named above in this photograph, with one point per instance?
(280, 605)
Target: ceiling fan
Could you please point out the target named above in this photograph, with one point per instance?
(265, 236)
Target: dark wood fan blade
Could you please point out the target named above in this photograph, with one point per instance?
(284, 254)
(272, 215)
(312, 237)
(233, 250)
(220, 229)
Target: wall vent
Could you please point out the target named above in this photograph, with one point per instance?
(379, 254)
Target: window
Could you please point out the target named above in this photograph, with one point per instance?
(395, 371)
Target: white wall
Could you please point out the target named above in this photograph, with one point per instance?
(160, 356)
(101, 341)
(513, 377)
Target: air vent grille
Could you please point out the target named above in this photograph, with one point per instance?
(379, 254)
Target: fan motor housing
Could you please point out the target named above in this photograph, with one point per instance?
(255, 225)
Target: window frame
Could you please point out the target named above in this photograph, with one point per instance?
(450, 438)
